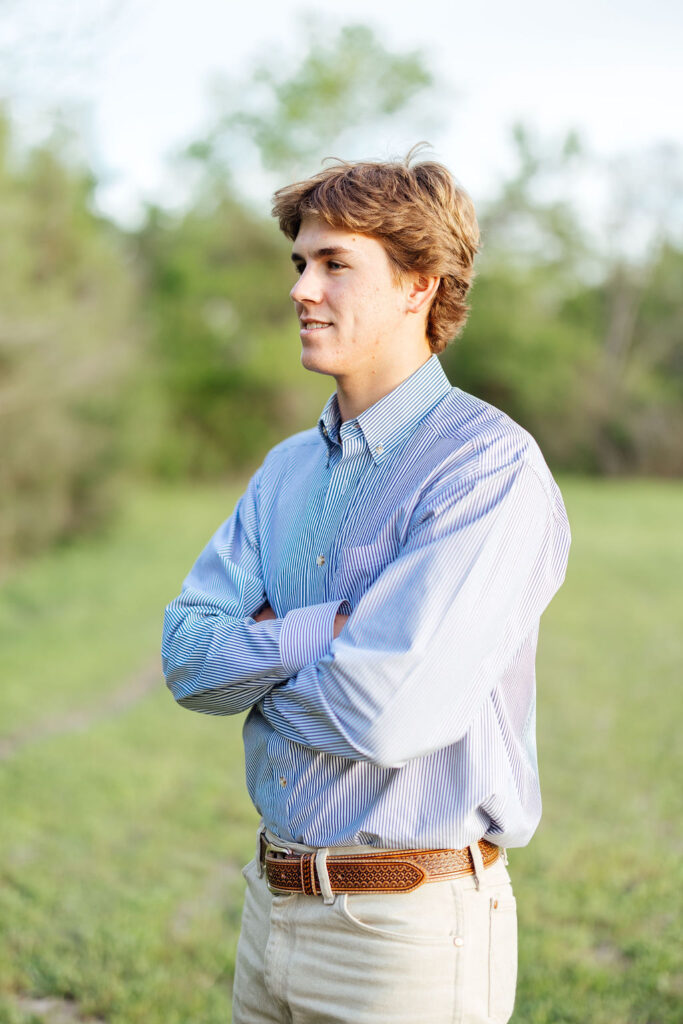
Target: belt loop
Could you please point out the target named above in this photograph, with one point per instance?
(323, 876)
(259, 851)
(504, 855)
(478, 862)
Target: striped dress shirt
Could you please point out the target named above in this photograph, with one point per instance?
(432, 520)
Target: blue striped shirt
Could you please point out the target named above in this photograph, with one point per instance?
(433, 520)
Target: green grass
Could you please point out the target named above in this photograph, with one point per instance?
(121, 845)
(600, 885)
(80, 620)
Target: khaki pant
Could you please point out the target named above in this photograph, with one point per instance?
(446, 952)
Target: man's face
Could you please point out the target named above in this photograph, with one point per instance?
(351, 310)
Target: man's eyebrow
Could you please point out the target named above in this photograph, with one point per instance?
(330, 250)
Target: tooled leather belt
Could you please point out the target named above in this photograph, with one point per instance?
(391, 872)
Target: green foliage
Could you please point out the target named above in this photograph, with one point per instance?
(582, 347)
(522, 228)
(122, 842)
(67, 339)
(225, 343)
(519, 353)
(344, 80)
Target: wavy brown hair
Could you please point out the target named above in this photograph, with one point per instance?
(424, 219)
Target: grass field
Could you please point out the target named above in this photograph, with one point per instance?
(125, 819)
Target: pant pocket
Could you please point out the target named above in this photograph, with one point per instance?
(423, 917)
(502, 957)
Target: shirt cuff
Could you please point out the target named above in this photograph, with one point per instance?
(307, 634)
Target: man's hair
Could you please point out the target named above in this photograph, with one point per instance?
(423, 218)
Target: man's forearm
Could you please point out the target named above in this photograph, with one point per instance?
(218, 664)
(221, 665)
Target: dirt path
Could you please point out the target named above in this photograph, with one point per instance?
(77, 720)
(55, 1011)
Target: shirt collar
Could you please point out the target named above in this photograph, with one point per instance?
(386, 423)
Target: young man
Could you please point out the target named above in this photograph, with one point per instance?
(373, 602)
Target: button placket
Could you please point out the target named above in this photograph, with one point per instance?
(351, 459)
(280, 767)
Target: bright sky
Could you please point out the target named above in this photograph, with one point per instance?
(611, 69)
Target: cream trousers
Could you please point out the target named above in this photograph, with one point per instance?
(443, 954)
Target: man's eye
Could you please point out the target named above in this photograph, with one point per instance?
(333, 265)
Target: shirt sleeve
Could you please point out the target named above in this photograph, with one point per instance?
(430, 637)
(216, 658)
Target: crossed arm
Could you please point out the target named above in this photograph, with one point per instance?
(406, 672)
(266, 612)
(223, 647)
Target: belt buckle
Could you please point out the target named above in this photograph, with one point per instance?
(271, 848)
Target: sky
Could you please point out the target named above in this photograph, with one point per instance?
(611, 70)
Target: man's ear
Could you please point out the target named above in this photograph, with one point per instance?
(421, 291)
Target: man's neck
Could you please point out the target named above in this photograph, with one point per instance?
(358, 392)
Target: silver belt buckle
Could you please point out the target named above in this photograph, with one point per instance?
(271, 848)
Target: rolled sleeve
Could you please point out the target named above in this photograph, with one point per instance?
(307, 634)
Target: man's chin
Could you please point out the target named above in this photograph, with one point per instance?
(317, 362)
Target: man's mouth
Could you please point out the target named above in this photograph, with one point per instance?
(313, 325)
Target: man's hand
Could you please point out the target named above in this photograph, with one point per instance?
(339, 623)
(266, 612)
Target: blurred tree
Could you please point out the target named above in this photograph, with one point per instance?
(345, 91)
(217, 280)
(348, 81)
(635, 399)
(576, 336)
(518, 350)
(67, 340)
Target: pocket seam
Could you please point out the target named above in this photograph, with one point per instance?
(502, 912)
(341, 903)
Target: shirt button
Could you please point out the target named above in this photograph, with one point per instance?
(379, 449)
(283, 781)
(320, 560)
(457, 941)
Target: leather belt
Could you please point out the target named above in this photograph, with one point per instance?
(391, 872)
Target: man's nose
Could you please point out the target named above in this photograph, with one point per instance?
(307, 287)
